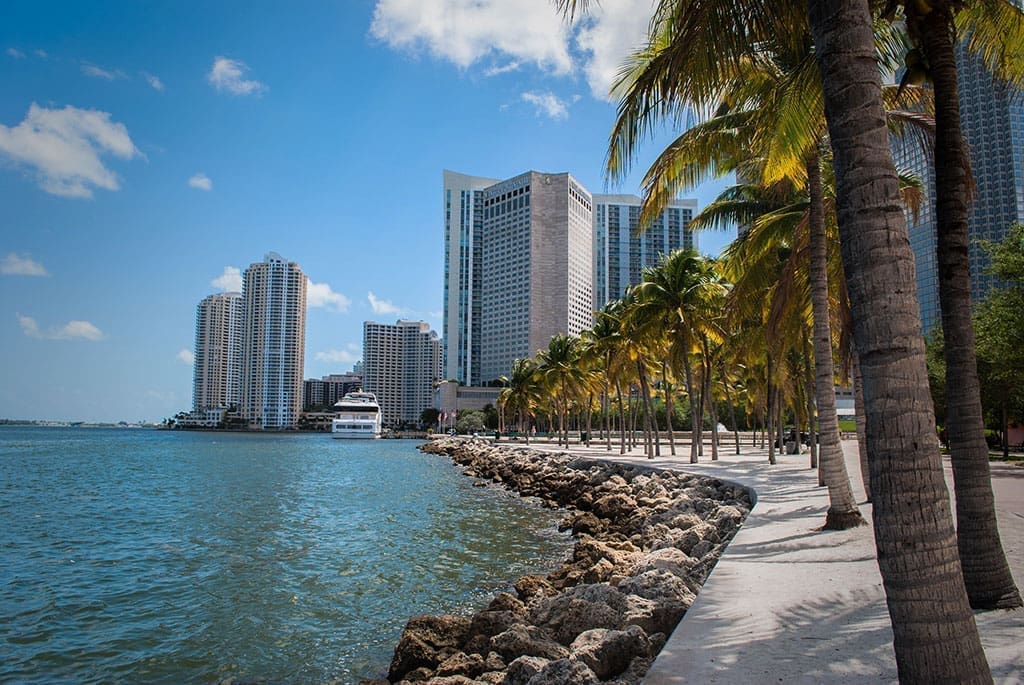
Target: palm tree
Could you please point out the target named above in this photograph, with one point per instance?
(913, 525)
(995, 33)
(558, 366)
(679, 294)
(603, 341)
(520, 394)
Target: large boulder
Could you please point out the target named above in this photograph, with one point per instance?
(523, 640)
(425, 642)
(522, 669)
(564, 672)
(609, 652)
(659, 585)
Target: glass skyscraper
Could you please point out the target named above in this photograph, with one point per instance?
(992, 117)
(621, 253)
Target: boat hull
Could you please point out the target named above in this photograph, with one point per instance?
(354, 435)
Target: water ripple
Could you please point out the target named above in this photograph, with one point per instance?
(144, 556)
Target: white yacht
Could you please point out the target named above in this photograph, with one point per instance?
(358, 416)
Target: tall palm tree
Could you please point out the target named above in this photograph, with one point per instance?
(520, 394)
(770, 106)
(994, 31)
(679, 294)
(559, 367)
(913, 523)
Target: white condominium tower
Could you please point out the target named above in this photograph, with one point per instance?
(620, 253)
(401, 364)
(537, 267)
(217, 370)
(274, 342)
(463, 255)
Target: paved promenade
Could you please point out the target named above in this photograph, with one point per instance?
(788, 603)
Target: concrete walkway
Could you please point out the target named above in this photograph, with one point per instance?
(788, 603)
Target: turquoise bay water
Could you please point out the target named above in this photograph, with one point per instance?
(149, 556)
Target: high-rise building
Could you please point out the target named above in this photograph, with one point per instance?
(537, 267)
(217, 368)
(325, 391)
(909, 156)
(274, 342)
(401, 364)
(992, 117)
(621, 253)
(463, 255)
(992, 120)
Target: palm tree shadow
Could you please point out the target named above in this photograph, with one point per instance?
(842, 636)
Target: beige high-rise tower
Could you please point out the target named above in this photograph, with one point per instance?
(537, 267)
(217, 372)
(274, 292)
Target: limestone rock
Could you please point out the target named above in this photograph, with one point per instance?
(564, 672)
(609, 652)
(523, 669)
(424, 641)
(523, 640)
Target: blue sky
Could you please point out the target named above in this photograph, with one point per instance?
(149, 151)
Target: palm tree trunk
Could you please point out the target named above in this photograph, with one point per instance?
(862, 440)
(812, 440)
(771, 414)
(935, 637)
(709, 399)
(688, 375)
(651, 420)
(622, 420)
(668, 408)
(986, 573)
(842, 511)
(732, 413)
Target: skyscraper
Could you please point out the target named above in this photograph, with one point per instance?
(401, 364)
(992, 116)
(992, 120)
(620, 253)
(463, 254)
(217, 368)
(537, 267)
(274, 342)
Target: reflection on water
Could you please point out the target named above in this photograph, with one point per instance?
(164, 557)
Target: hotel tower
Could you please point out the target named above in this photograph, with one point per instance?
(274, 342)
(536, 267)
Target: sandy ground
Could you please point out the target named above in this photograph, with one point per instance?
(788, 603)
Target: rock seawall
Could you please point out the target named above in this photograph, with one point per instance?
(646, 541)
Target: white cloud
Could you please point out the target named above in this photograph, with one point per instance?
(41, 54)
(15, 265)
(380, 306)
(152, 80)
(227, 74)
(528, 32)
(64, 147)
(321, 295)
(186, 357)
(15, 53)
(98, 72)
(502, 69)
(465, 31)
(613, 32)
(349, 355)
(547, 104)
(230, 281)
(69, 331)
(201, 181)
